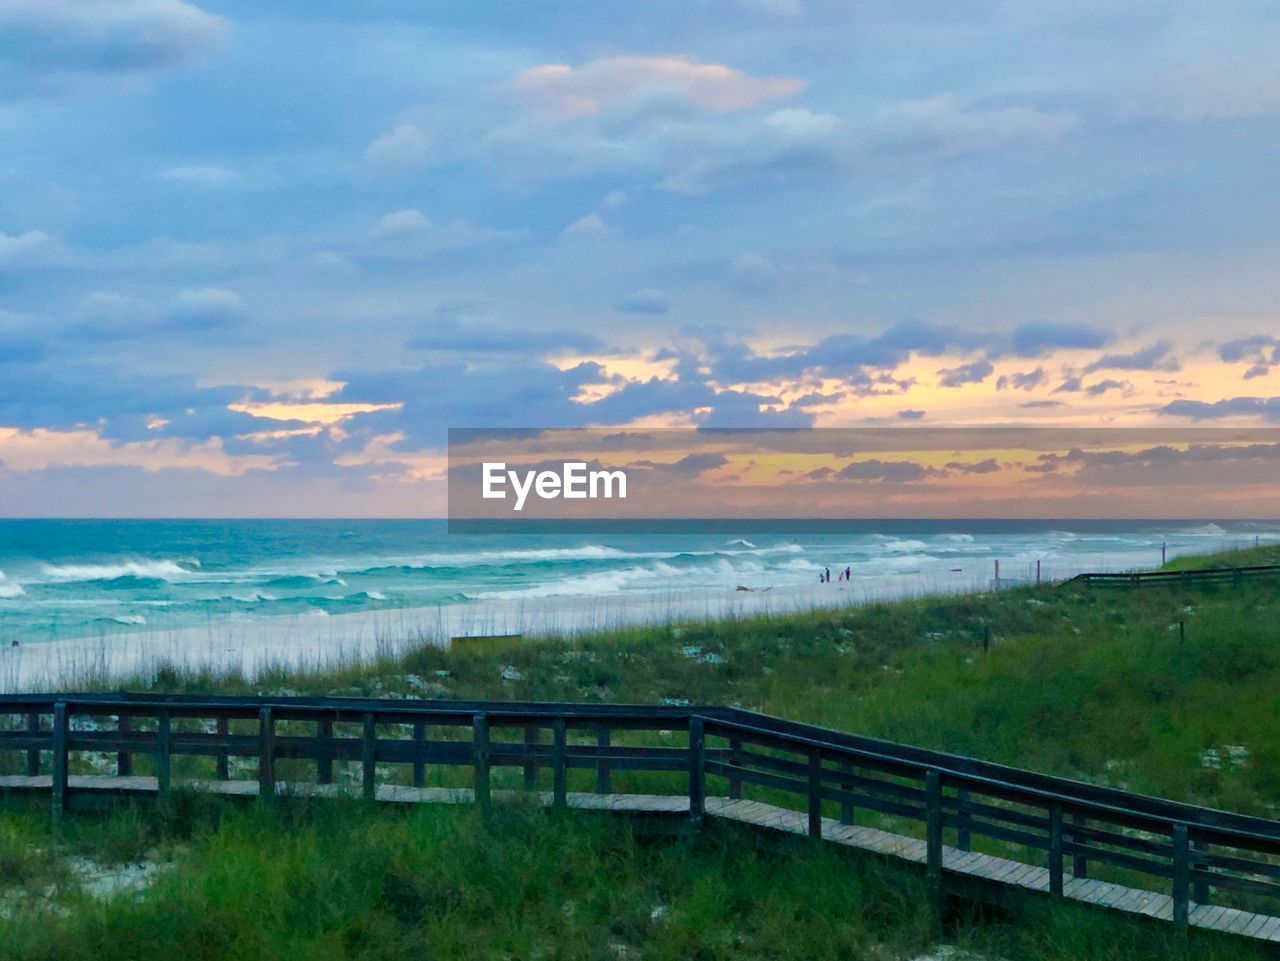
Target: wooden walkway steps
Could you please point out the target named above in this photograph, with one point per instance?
(1191, 866)
(982, 867)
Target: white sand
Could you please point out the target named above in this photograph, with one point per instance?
(308, 641)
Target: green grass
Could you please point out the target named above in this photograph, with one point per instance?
(1248, 557)
(342, 880)
(1097, 684)
(1089, 683)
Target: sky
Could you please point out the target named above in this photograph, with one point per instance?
(257, 258)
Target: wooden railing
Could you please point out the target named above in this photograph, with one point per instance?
(1206, 575)
(1075, 830)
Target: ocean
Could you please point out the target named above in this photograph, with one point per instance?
(67, 579)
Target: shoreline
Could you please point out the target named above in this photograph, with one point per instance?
(305, 642)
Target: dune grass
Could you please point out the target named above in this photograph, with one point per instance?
(344, 880)
(1140, 689)
(1098, 684)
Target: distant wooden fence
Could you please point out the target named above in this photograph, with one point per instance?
(966, 819)
(1207, 575)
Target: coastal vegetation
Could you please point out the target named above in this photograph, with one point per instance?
(1162, 690)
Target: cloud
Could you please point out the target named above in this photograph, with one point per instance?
(688, 466)
(1033, 404)
(974, 373)
(566, 92)
(890, 471)
(910, 414)
(592, 225)
(1022, 381)
(783, 143)
(39, 450)
(859, 361)
(409, 234)
(1155, 357)
(32, 249)
(63, 393)
(204, 309)
(398, 152)
(1103, 386)
(1037, 339)
(1267, 408)
(53, 42)
(1200, 464)
(988, 466)
(647, 301)
(1248, 348)
(402, 223)
(201, 175)
(1261, 352)
(944, 126)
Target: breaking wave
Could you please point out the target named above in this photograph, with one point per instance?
(142, 570)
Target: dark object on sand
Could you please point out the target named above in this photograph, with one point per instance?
(758, 590)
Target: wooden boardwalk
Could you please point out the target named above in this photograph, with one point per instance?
(1197, 576)
(986, 869)
(1190, 866)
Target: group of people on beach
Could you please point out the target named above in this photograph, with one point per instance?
(824, 577)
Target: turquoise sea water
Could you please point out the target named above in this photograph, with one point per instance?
(64, 579)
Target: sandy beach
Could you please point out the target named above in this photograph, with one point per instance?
(316, 641)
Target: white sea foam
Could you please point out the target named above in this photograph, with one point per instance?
(156, 569)
(8, 589)
(904, 546)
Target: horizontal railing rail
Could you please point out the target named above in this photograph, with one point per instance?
(1198, 575)
(1070, 829)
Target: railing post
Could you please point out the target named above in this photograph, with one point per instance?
(1199, 886)
(532, 737)
(1079, 862)
(163, 748)
(847, 810)
(369, 756)
(124, 757)
(735, 759)
(933, 841)
(604, 773)
(324, 751)
(697, 771)
(964, 821)
(560, 764)
(480, 756)
(33, 753)
(1181, 875)
(222, 761)
(266, 754)
(419, 765)
(815, 794)
(60, 777)
(1055, 851)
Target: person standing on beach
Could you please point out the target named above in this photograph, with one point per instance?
(828, 575)
(848, 573)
